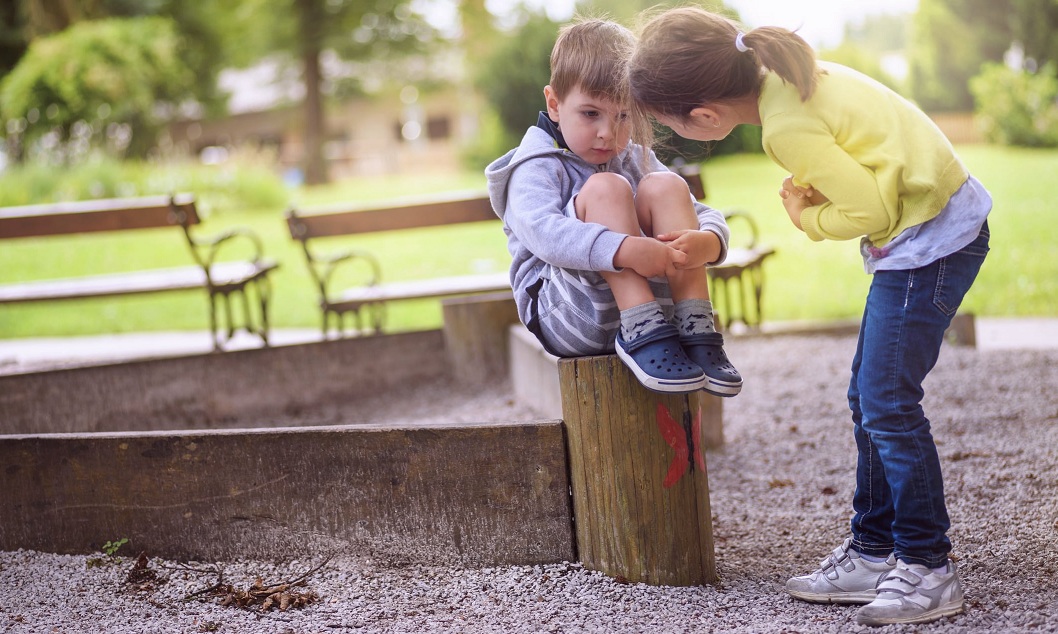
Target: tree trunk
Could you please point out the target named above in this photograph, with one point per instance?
(311, 35)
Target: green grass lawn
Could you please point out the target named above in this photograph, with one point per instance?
(804, 281)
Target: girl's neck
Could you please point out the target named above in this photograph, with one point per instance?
(745, 109)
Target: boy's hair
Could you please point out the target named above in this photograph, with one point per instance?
(687, 57)
(591, 54)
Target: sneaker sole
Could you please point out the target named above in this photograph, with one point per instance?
(925, 617)
(837, 598)
(722, 388)
(663, 386)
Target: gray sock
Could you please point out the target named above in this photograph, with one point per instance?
(694, 316)
(640, 320)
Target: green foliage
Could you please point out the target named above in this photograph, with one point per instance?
(1035, 22)
(111, 548)
(241, 183)
(864, 60)
(110, 551)
(514, 76)
(1017, 107)
(951, 40)
(490, 142)
(83, 84)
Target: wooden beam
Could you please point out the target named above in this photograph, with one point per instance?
(440, 495)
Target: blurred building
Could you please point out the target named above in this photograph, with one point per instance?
(365, 136)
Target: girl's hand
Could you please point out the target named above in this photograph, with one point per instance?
(701, 247)
(796, 199)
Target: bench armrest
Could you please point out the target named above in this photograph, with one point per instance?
(744, 217)
(205, 250)
(324, 266)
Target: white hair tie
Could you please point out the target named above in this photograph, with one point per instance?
(742, 48)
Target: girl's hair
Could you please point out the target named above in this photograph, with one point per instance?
(687, 57)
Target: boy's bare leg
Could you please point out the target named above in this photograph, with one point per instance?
(663, 205)
(607, 200)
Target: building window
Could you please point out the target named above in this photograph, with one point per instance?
(438, 128)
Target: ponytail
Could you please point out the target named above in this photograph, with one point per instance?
(688, 57)
(786, 54)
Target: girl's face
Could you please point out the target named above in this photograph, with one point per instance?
(595, 129)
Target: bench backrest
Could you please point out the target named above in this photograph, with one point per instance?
(112, 214)
(408, 213)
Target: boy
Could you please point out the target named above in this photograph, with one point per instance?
(609, 248)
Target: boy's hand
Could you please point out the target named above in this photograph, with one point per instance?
(648, 257)
(701, 247)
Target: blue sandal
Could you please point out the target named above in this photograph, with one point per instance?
(659, 363)
(707, 350)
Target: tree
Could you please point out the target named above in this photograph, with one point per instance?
(1034, 24)
(366, 32)
(953, 38)
(513, 77)
(93, 76)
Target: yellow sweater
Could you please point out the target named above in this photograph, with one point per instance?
(884, 165)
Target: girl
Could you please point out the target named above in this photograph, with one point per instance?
(864, 162)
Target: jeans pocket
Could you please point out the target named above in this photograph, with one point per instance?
(956, 274)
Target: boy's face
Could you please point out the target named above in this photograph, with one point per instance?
(595, 128)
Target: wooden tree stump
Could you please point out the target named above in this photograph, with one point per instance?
(638, 475)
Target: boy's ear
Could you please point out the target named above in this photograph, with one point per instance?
(552, 102)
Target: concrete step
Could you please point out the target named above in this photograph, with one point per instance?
(534, 374)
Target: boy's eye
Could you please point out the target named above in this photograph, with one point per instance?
(591, 113)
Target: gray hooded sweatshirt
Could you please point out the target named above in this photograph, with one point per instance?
(533, 188)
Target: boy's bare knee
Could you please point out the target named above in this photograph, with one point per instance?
(660, 184)
(605, 197)
(607, 184)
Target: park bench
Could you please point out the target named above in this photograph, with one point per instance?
(365, 304)
(742, 269)
(222, 280)
(743, 266)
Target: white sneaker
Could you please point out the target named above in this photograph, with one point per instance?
(914, 594)
(843, 577)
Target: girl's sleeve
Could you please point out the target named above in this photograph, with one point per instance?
(856, 207)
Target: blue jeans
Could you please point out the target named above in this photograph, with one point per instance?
(899, 500)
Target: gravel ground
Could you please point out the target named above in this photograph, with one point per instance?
(780, 492)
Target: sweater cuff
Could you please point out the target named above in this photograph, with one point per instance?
(810, 222)
(604, 249)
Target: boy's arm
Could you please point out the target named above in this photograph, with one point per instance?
(540, 214)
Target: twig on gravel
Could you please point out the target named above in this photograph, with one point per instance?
(281, 595)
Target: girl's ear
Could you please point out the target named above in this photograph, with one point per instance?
(552, 102)
(705, 117)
